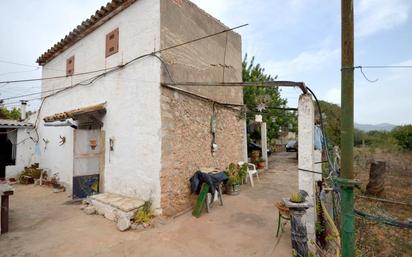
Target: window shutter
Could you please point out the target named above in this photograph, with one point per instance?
(70, 66)
(112, 42)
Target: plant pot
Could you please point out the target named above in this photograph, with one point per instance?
(255, 155)
(232, 189)
(261, 165)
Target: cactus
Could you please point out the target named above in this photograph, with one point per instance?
(296, 198)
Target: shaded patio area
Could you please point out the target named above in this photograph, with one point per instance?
(41, 224)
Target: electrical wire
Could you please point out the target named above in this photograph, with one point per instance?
(385, 67)
(18, 72)
(144, 55)
(19, 64)
(26, 65)
(119, 66)
(92, 80)
(364, 75)
(55, 77)
(378, 67)
(325, 141)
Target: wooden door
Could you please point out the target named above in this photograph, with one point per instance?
(87, 162)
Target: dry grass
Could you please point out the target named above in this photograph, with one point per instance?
(375, 239)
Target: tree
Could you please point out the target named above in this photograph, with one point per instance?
(331, 121)
(13, 114)
(270, 96)
(403, 134)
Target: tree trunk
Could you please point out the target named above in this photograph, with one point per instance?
(376, 178)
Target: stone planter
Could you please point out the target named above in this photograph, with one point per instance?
(232, 189)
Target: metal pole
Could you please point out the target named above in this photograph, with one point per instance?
(347, 183)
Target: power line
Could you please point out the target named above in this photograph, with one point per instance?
(26, 65)
(56, 77)
(113, 68)
(378, 67)
(92, 80)
(17, 72)
(121, 66)
(19, 64)
(18, 102)
(384, 67)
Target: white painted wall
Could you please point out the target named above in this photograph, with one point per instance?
(132, 98)
(25, 153)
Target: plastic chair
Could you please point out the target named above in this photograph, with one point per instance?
(251, 170)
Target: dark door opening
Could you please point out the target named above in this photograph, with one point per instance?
(6, 151)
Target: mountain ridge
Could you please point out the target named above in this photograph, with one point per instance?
(378, 127)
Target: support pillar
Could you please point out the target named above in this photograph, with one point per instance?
(306, 118)
(245, 153)
(264, 142)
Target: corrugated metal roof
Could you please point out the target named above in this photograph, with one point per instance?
(14, 124)
(100, 17)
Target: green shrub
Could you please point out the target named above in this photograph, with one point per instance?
(403, 134)
(144, 214)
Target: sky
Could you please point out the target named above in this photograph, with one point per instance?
(296, 40)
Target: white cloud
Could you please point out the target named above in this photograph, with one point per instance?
(305, 62)
(377, 15)
(333, 95)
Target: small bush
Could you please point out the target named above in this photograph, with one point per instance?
(145, 214)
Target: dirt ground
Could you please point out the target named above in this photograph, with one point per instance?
(379, 240)
(42, 223)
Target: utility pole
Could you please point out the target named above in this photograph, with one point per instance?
(346, 180)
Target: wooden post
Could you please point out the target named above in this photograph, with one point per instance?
(5, 211)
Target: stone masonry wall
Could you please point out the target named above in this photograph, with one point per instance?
(186, 144)
(186, 137)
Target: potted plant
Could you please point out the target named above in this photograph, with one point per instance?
(232, 187)
(242, 172)
(260, 163)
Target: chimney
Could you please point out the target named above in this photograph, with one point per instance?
(23, 109)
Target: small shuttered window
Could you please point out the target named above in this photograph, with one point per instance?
(70, 66)
(112, 42)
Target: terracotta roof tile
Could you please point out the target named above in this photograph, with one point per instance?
(100, 17)
(14, 124)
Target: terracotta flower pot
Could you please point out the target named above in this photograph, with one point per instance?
(261, 165)
(93, 143)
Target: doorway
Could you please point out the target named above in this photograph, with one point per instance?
(6, 152)
(88, 162)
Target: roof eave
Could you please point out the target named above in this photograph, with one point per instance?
(102, 15)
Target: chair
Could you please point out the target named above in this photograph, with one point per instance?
(251, 170)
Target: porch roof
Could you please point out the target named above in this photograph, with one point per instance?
(74, 114)
(4, 123)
